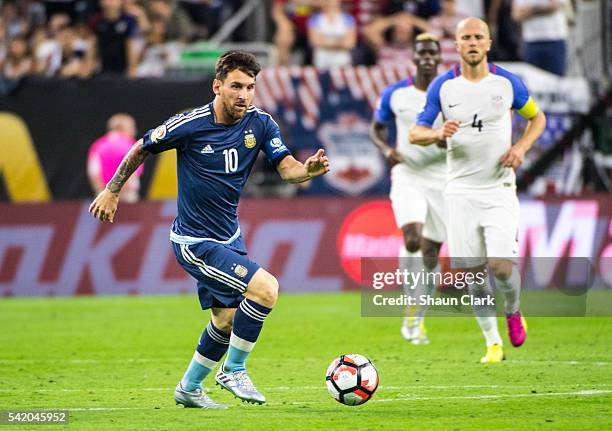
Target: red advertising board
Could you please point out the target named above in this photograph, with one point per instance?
(310, 244)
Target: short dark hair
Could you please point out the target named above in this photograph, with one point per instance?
(232, 60)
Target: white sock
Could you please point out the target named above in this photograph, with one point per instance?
(488, 326)
(511, 288)
(485, 315)
(412, 262)
(428, 289)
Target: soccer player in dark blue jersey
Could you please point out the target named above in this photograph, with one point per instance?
(216, 147)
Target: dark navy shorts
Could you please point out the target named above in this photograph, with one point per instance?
(223, 273)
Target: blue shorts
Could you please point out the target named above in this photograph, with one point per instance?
(223, 273)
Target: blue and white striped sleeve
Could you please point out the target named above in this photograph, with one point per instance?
(273, 147)
(432, 107)
(383, 112)
(174, 133)
(521, 100)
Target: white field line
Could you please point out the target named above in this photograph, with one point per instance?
(501, 396)
(376, 400)
(534, 362)
(319, 388)
(161, 360)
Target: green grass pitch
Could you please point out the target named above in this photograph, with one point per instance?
(114, 362)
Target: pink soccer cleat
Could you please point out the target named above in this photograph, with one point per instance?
(517, 328)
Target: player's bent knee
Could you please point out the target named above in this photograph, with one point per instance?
(412, 244)
(223, 318)
(429, 261)
(263, 288)
(430, 253)
(501, 268)
(223, 326)
(412, 236)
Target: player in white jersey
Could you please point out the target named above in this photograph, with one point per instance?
(418, 176)
(476, 99)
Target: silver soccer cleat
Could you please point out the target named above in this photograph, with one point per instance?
(195, 399)
(239, 384)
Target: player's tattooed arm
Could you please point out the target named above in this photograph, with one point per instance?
(105, 204)
(132, 160)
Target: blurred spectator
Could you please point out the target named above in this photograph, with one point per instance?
(545, 31)
(177, 22)
(291, 21)
(85, 9)
(77, 55)
(391, 37)
(3, 43)
(18, 62)
(504, 31)
(159, 54)
(67, 7)
(107, 152)
(471, 8)
(443, 27)
(116, 34)
(420, 8)
(47, 53)
(136, 9)
(33, 12)
(332, 34)
(14, 24)
(47, 49)
(206, 14)
(57, 22)
(365, 11)
(66, 55)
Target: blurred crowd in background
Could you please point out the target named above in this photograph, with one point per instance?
(79, 38)
(143, 38)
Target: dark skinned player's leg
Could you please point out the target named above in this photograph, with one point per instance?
(412, 236)
(430, 250)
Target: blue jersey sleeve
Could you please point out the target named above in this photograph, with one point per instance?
(521, 101)
(432, 107)
(273, 146)
(383, 112)
(175, 133)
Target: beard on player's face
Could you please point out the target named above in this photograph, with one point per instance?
(473, 57)
(234, 108)
(232, 112)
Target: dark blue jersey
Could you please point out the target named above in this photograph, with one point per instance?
(213, 163)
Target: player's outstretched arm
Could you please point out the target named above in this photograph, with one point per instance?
(293, 171)
(421, 135)
(514, 157)
(105, 204)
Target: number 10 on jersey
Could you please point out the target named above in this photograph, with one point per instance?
(231, 160)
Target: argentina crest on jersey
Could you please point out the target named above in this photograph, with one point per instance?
(249, 139)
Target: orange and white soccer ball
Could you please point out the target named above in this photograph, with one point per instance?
(351, 379)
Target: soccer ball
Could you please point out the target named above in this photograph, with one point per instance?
(351, 379)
